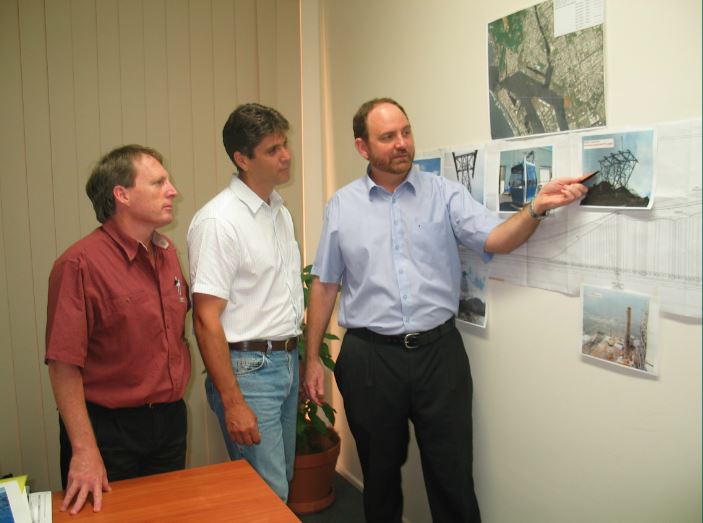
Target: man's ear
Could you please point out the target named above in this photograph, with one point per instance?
(121, 195)
(362, 147)
(240, 160)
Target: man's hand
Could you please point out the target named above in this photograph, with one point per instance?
(241, 421)
(516, 230)
(242, 425)
(86, 471)
(86, 475)
(314, 383)
(322, 299)
(559, 192)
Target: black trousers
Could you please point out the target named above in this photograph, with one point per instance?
(135, 441)
(384, 386)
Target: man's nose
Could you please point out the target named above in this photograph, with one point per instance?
(171, 191)
(285, 154)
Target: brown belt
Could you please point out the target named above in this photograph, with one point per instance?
(265, 345)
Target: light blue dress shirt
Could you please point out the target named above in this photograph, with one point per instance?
(396, 254)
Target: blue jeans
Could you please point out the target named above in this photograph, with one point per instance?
(269, 383)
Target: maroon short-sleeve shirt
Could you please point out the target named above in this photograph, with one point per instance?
(120, 319)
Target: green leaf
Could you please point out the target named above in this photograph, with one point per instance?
(309, 425)
(327, 361)
(319, 425)
(329, 412)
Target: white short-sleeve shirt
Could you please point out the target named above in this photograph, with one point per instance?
(243, 250)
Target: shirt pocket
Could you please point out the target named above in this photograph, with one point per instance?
(428, 242)
(122, 309)
(176, 307)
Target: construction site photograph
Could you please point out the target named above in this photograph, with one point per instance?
(616, 328)
(625, 169)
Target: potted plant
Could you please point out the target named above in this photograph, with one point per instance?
(317, 443)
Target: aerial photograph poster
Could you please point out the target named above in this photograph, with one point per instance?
(541, 83)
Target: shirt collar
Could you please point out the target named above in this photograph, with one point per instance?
(410, 183)
(129, 245)
(250, 198)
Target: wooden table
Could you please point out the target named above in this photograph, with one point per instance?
(230, 492)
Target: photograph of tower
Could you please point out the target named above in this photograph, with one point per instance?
(466, 165)
(616, 328)
(625, 165)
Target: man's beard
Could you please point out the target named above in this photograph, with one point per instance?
(398, 164)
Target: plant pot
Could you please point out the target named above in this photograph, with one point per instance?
(311, 489)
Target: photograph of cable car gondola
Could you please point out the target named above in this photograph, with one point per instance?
(625, 165)
(522, 173)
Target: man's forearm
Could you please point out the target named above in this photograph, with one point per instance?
(67, 384)
(513, 232)
(322, 299)
(215, 353)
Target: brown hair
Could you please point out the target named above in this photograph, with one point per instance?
(248, 125)
(359, 121)
(115, 168)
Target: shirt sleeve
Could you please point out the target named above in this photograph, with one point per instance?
(213, 258)
(471, 221)
(68, 318)
(329, 264)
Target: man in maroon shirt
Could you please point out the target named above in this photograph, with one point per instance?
(115, 345)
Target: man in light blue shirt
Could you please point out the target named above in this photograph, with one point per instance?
(390, 240)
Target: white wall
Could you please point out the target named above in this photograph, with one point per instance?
(556, 439)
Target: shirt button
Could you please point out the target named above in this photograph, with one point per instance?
(405, 296)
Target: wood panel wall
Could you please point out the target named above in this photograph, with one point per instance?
(78, 78)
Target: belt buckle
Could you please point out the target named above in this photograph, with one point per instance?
(409, 342)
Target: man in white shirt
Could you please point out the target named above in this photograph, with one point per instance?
(248, 297)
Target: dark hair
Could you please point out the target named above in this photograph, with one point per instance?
(247, 126)
(115, 168)
(359, 121)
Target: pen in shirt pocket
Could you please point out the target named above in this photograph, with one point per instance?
(179, 288)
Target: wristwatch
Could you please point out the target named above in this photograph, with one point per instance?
(533, 213)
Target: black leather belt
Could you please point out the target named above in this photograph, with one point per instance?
(95, 408)
(265, 345)
(410, 340)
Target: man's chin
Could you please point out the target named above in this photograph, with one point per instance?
(401, 167)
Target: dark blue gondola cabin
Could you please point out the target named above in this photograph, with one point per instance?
(523, 182)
